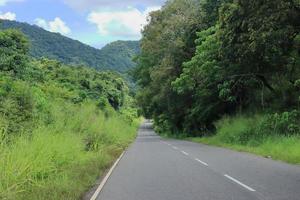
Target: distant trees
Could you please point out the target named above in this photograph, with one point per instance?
(246, 57)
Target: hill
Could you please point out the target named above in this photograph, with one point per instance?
(116, 56)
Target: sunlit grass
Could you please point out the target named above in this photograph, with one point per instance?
(241, 133)
(63, 160)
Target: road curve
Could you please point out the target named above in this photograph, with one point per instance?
(154, 168)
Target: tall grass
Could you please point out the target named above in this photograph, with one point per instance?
(257, 134)
(63, 159)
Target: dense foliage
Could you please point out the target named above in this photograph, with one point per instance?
(201, 60)
(116, 56)
(60, 125)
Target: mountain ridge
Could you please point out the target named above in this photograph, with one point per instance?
(115, 56)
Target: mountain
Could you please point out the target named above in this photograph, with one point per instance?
(116, 56)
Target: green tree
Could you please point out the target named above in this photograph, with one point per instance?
(13, 51)
(167, 42)
(246, 60)
(257, 39)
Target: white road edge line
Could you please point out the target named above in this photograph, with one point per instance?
(240, 183)
(175, 147)
(103, 182)
(200, 161)
(185, 153)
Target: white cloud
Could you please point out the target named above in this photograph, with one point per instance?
(8, 16)
(114, 4)
(57, 25)
(3, 2)
(126, 23)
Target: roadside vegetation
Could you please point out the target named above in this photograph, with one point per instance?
(60, 126)
(273, 136)
(226, 72)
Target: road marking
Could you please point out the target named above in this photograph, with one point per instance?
(200, 161)
(185, 153)
(175, 147)
(99, 189)
(240, 183)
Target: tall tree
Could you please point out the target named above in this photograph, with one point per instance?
(167, 42)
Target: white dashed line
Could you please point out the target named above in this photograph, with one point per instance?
(240, 183)
(176, 148)
(185, 153)
(200, 161)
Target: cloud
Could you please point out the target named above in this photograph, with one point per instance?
(8, 16)
(126, 23)
(3, 2)
(57, 25)
(115, 4)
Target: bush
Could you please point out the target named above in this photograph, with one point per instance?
(237, 130)
(286, 123)
(17, 105)
(253, 130)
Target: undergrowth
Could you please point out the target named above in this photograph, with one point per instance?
(271, 135)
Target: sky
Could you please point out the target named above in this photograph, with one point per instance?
(93, 22)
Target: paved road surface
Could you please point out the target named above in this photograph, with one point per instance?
(161, 169)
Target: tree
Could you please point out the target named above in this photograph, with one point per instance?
(14, 49)
(257, 38)
(246, 60)
(168, 41)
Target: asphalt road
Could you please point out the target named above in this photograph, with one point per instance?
(154, 168)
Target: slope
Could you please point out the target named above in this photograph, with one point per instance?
(116, 56)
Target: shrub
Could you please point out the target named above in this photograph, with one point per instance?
(286, 123)
(17, 105)
(253, 130)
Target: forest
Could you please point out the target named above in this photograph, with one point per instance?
(227, 71)
(61, 126)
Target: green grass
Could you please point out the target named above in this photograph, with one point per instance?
(64, 159)
(249, 134)
(279, 148)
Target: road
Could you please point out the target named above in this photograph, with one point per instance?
(154, 168)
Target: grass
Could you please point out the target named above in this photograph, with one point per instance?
(279, 148)
(250, 134)
(63, 160)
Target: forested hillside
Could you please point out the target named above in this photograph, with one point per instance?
(229, 68)
(60, 126)
(116, 56)
(119, 55)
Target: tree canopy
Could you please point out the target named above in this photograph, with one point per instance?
(201, 60)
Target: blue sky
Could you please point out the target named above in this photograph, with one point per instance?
(94, 22)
